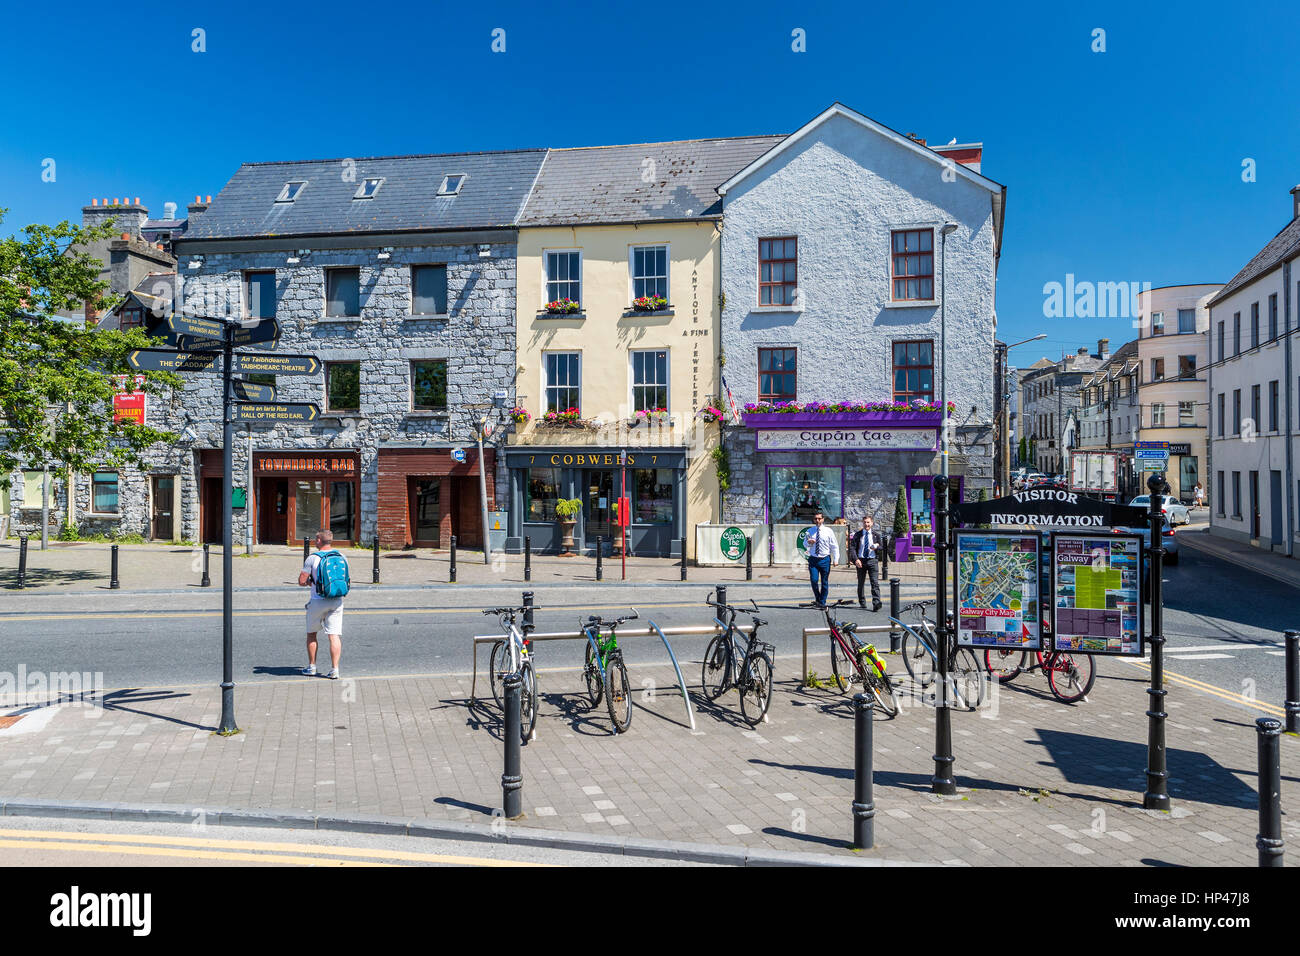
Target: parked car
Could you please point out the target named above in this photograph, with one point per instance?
(1175, 512)
(1168, 538)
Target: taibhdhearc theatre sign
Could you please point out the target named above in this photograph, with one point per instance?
(1049, 508)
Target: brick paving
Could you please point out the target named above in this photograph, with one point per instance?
(1040, 783)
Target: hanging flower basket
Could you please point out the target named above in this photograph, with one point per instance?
(520, 416)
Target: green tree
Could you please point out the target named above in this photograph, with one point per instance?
(1022, 452)
(56, 393)
(1033, 457)
(900, 514)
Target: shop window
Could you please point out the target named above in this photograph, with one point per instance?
(307, 508)
(796, 494)
(343, 293)
(653, 496)
(429, 385)
(649, 380)
(542, 490)
(563, 381)
(913, 265)
(428, 290)
(914, 371)
(103, 493)
(778, 270)
(342, 509)
(343, 386)
(777, 374)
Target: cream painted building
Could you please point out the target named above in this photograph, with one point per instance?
(604, 227)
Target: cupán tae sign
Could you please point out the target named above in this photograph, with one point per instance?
(733, 544)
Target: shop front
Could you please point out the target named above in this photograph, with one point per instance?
(652, 479)
(297, 493)
(427, 495)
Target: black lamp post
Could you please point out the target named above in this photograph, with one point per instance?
(942, 781)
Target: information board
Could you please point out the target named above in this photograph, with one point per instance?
(997, 589)
(1096, 597)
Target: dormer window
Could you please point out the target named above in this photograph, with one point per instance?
(368, 189)
(290, 191)
(451, 184)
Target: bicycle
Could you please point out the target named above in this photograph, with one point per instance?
(749, 671)
(605, 673)
(852, 661)
(921, 657)
(514, 656)
(1069, 676)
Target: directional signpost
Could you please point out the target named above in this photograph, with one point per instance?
(252, 392)
(261, 363)
(260, 412)
(1151, 455)
(161, 360)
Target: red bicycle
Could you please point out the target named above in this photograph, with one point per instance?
(853, 662)
(1069, 676)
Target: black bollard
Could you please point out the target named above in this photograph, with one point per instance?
(528, 609)
(206, 581)
(1292, 681)
(528, 558)
(600, 546)
(895, 603)
(749, 558)
(374, 571)
(1156, 796)
(864, 805)
(306, 549)
(1269, 841)
(451, 568)
(720, 594)
(22, 560)
(113, 583)
(683, 559)
(886, 545)
(512, 779)
(943, 781)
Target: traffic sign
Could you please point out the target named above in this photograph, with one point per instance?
(160, 360)
(1138, 446)
(256, 363)
(261, 412)
(192, 343)
(1148, 453)
(250, 392)
(193, 325)
(458, 455)
(264, 332)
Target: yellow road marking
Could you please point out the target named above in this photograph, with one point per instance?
(1222, 692)
(185, 854)
(201, 842)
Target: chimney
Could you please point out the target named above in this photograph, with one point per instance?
(169, 210)
(1295, 202)
(1083, 350)
(127, 219)
(196, 208)
(1103, 349)
(916, 139)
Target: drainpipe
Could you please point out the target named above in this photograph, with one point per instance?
(1213, 486)
(1290, 476)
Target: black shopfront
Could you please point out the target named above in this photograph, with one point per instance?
(653, 479)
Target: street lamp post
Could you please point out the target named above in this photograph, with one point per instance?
(948, 227)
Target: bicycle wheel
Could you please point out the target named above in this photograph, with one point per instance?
(595, 685)
(527, 700)
(1004, 664)
(498, 668)
(841, 667)
(716, 667)
(1070, 676)
(918, 658)
(756, 688)
(882, 689)
(618, 695)
(969, 678)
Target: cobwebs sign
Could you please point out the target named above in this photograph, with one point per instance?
(810, 439)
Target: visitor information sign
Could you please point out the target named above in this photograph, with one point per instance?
(1097, 593)
(997, 589)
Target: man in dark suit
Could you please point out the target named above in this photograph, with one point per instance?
(862, 552)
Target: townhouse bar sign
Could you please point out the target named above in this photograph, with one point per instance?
(876, 437)
(336, 465)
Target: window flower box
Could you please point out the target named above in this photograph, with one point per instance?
(569, 418)
(650, 303)
(563, 307)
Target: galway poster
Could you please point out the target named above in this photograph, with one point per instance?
(1097, 594)
(997, 590)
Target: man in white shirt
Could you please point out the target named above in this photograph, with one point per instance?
(823, 550)
(323, 614)
(862, 552)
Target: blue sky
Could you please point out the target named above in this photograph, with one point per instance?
(1123, 165)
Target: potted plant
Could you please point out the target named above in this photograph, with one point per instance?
(520, 416)
(650, 303)
(902, 542)
(563, 307)
(567, 509)
(710, 414)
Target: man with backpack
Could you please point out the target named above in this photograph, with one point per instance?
(326, 573)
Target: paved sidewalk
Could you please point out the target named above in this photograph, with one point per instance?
(76, 567)
(1041, 783)
(1273, 565)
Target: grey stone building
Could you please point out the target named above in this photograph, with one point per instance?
(1052, 394)
(834, 248)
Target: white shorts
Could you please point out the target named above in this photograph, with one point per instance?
(325, 616)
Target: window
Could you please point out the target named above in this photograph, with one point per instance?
(1157, 370)
(1272, 405)
(259, 295)
(1158, 415)
(1157, 323)
(130, 319)
(1254, 324)
(428, 290)
(652, 501)
(914, 371)
(103, 493)
(563, 385)
(795, 493)
(563, 276)
(542, 490)
(1222, 416)
(1255, 419)
(778, 270)
(367, 189)
(1186, 321)
(649, 380)
(1236, 333)
(1222, 497)
(1186, 413)
(913, 264)
(777, 374)
(1222, 354)
(649, 271)
(343, 293)
(343, 386)
(1272, 316)
(290, 192)
(1187, 366)
(451, 184)
(429, 385)
(261, 378)
(1236, 494)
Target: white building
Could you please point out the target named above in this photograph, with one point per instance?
(1252, 394)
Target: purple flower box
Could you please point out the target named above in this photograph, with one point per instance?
(831, 419)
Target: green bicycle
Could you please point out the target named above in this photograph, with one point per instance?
(605, 672)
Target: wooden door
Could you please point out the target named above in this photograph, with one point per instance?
(162, 525)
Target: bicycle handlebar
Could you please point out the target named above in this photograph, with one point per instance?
(600, 622)
(917, 605)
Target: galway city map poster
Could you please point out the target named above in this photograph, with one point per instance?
(997, 589)
(1096, 593)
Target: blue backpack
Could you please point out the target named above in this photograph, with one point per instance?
(332, 575)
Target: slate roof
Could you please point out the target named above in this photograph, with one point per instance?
(491, 196)
(599, 184)
(1283, 246)
(154, 294)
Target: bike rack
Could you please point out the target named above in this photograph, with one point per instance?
(826, 632)
(652, 631)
